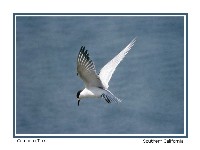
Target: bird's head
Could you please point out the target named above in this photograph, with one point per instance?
(78, 96)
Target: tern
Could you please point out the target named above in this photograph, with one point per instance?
(96, 85)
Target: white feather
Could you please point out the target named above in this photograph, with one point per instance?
(86, 70)
(107, 71)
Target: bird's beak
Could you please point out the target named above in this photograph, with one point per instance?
(78, 101)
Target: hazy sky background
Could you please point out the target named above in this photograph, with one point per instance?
(150, 80)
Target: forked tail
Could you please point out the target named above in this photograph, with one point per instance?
(109, 97)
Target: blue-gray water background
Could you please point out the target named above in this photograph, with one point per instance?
(150, 80)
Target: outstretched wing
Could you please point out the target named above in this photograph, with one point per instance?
(86, 69)
(109, 97)
(107, 71)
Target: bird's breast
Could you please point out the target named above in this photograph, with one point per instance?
(91, 92)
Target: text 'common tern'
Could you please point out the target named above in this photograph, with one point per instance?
(96, 85)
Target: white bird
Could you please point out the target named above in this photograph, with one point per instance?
(96, 85)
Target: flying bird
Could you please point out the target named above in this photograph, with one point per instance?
(96, 85)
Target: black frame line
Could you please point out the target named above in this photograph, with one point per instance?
(96, 14)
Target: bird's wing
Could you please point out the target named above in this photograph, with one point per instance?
(107, 71)
(109, 97)
(86, 69)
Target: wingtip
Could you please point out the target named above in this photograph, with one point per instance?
(134, 39)
(82, 48)
(132, 43)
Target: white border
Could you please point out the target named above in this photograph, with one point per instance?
(185, 73)
(110, 135)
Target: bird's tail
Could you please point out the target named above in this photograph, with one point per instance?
(109, 97)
